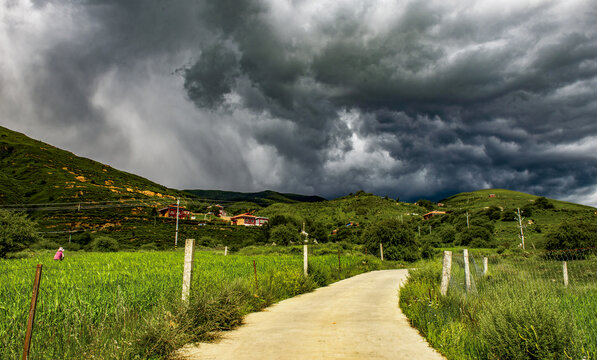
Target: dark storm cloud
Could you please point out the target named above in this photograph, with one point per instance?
(406, 98)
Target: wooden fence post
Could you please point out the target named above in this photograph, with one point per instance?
(467, 271)
(485, 266)
(565, 271)
(31, 319)
(446, 271)
(381, 251)
(255, 271)
(305, 259)
(187, 275)
(225, 250)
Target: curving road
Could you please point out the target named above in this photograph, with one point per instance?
(357, 318)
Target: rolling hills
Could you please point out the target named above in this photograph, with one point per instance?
(81, 198)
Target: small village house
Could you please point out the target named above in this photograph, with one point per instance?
(170, 211)
(430, 214)
(247, 219)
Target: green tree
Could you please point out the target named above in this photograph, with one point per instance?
(16, 232)
(572, 235)
(284, 234)
(543, 203)
(399, 241)
(427, 204)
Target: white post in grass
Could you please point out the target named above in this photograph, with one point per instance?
(187, 275)
(447, 269)
(225, 250)
(485, 266)
(467, 271)
(565, 270)
(176, 234)
(381, 251)
(305, 252)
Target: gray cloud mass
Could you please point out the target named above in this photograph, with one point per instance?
(404, 98)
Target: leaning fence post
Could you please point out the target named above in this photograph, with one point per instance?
(255, 271)
(446, 272)
(187, 275)
(565, 270)
(467, 271)
(381, 251)
(31, 319)
(485, 266)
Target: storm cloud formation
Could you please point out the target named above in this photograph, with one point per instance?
(404, 98)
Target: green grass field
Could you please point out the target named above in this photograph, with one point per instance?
(126, 305)
(521, 310)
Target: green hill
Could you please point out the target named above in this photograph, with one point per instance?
(263, 198)
(35, 172)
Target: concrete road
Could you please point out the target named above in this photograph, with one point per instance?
(357, 318)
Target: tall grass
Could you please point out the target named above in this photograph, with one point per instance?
(522, 310)
(126, 305)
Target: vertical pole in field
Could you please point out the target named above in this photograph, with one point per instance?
(381, 251)
(187, 275)
(520, 226)
(446, 271)
(31, 319)
(225, 250)
(255, 271)
(565, 271)
(176, 234)
(467, 271)
(305, 252)
(485, 266)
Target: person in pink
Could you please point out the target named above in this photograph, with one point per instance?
(59, 254)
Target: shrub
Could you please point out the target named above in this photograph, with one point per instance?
(543, 203)
(399, 241)
(103, 244)
(284, 234)
(148, 247)
(45, 244)
(475, 236)
(16, 232)
(528, 325)
(571, 235)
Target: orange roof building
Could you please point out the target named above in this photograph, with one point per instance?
(432, 213)
(247, 219)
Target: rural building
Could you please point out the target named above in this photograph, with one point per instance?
(248, 220)
(432, 213)
(492, 195)
(218, 210)
(170, 211)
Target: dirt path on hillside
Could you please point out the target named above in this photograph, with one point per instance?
(357, 318)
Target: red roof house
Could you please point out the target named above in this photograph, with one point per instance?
(247, 219)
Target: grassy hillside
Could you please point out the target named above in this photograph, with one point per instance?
(34, 172)
(263, 198)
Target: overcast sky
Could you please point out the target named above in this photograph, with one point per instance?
(416, 99)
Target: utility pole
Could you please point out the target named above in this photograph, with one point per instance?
(176, 235)
(520, 226)
(467, 223)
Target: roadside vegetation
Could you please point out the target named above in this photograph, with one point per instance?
(127, 305)
(521, 310)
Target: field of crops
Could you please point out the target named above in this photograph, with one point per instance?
(127, 305)
(522, 309)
